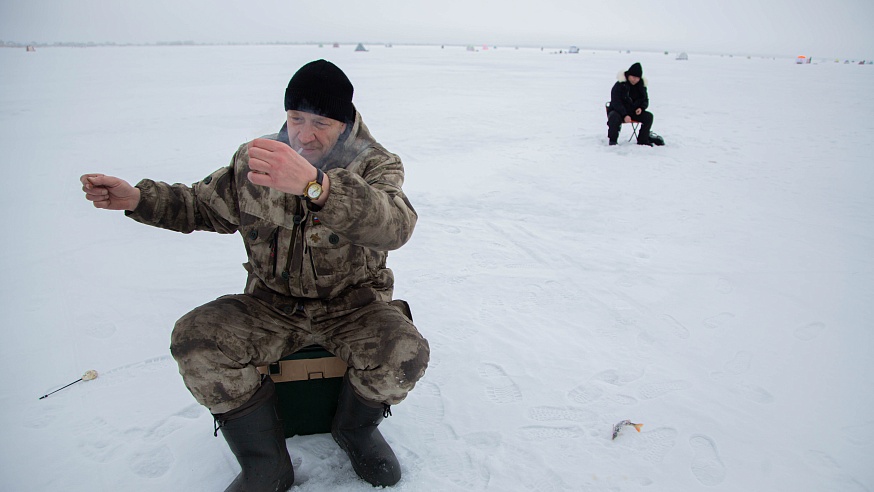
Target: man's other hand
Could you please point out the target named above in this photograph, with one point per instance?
(110, 192)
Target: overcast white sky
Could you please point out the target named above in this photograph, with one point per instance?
(839, 28)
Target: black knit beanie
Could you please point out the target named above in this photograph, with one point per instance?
(320, 87)
(635, 70)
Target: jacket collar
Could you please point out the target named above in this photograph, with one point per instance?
(620, 77)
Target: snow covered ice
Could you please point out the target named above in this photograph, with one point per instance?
(717, 290)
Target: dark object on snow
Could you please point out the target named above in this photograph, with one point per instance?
(625, 99)
(255, 435)
(618, 427)
(355, 430)
(308, 384)
(656, 139)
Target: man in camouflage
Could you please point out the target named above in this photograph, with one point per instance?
(316, 275)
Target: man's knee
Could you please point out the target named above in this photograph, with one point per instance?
(201, 329)
(412, 367)
(614, 119)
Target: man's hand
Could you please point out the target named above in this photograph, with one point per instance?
(275, 165)
(638, 111)
(110, 192)
(628, 119)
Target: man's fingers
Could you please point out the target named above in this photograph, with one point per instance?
(88, 188)
(266, 144)
(260, 179)
(86, 178)
(259, 165)
(96, 197)
(101, 204)
(100, 181)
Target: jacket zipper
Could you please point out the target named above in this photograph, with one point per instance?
(274, 244)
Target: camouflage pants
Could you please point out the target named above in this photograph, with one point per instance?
(219, 345)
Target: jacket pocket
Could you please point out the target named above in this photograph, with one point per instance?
(334, 262)
(261, 239)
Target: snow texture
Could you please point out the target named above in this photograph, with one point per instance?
(717, 290)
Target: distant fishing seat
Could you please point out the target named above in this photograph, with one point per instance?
(634, 124)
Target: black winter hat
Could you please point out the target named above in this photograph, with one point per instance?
(635, 70)
(320, 87)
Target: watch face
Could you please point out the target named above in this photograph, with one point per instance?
(314, 190)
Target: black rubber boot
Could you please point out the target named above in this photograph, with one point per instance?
(354, 429)
(614, 125)
(257, 438)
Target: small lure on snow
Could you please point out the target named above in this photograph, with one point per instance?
(88, 376)
(618, 427)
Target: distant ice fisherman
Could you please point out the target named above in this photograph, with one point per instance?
(628, 102)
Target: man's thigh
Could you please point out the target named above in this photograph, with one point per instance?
(384, 350)
(643, 117)
(242, 327)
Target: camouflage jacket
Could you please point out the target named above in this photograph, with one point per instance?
(336, 254)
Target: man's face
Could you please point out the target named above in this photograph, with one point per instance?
(315, 134)
(633, 80)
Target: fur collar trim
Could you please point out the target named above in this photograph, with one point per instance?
(620, 77)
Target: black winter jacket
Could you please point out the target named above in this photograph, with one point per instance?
(625, 98)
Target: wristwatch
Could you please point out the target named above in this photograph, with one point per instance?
(313, 189)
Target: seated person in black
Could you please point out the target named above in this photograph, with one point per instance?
(628, 102)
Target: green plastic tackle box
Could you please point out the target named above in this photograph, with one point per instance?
(308, 386)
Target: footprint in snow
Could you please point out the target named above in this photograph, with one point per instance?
(152, 463)
(809, 331)
(655, 390)
(652, 445)
(860, 435)
(96, 326)
(736, 366)
(718, 321)
(449, 457)
(755, 393)
(543, 433)
(426, 403)
(549, 414)
(706, 464)
(825, 465)
(724, 286)
(674, 327)
(500, 388)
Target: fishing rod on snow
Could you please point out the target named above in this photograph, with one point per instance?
(88, 376)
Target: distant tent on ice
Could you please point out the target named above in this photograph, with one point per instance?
(30, 48)
(336, 45)
(573, 49)
(682, 56)
(802, 60)
(360, 47)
